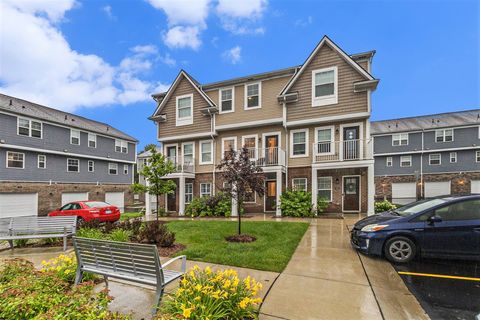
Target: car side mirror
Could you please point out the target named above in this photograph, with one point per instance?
(434, 219)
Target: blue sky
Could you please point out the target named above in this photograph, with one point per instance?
(102, 59)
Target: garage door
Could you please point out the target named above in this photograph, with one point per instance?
(116, 198)
(475, 186)
(74, 196)
(18, 204)
(404, 192)
(433, 189)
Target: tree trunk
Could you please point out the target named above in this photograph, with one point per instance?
(239, 214)
(158, 205)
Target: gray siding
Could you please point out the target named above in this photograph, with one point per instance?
(383, 144)
(462, 137)
(382, 170)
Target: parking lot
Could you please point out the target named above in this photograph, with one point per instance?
(446, 289)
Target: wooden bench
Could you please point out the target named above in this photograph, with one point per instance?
(33, 227)
(133, 262)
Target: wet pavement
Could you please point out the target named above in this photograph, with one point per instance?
(445, 298)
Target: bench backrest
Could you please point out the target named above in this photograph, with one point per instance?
(33, 225)
(130, 261)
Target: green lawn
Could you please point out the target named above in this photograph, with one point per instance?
(205, 241)
(129, 215)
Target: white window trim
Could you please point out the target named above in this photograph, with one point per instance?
(304, 179)
(409, 161)
(205, 183)
(184, 121)
(389, 162)
(245, 105)
(88, 166)
(125, 169)
(455, 157)
(477, 156)
(94, 139)
(38, 161)
(201, 142)
(193, 150)
(292, 132)
(439, 159)
(332, 140)
(400, 139)
(6, 160)
(443, 135)
(254, 198)
(186, 184)
(331, 187)
(112, 163)
(256, 144)
(79, 136)
(29, 127)
(78, 160)
(220, 99)
(325, 100)
(234, 144)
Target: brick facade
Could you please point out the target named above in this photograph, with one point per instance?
(50, 195)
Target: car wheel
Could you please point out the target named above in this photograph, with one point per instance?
(400, 250)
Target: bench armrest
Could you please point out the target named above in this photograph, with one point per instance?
(184, 263)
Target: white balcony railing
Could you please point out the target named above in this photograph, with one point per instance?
(183, 164)
(347, 150)
(265, 157)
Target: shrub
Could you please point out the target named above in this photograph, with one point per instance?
(20, 242)
(322, 204)
(204, 294)
(121, 235)
(296, 203)
(51, 241)
(132, 225)
(157, 233)
(218, 205)
(91, 233)
(65, 267)
(382, 206)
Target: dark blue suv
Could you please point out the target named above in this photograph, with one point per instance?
(445, 227)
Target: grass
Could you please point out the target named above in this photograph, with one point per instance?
(205, 241)
(130, 215)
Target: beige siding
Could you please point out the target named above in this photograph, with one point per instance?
(363, 64)
(348, 101)
(200, 124)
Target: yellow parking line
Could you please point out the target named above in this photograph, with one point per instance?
(437, 276)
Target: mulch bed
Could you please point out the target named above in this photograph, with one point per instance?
(170, 251)
(244, 238)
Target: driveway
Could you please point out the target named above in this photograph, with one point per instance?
(327, 279)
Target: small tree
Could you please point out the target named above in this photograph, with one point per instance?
(154, 171)
(242, 176)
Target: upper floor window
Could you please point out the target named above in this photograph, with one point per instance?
(324, 140)
(91, 166)
(400, 139)
(405, 161)
(15, 160)
(228, 145)
(73, 165)
(125, 169)
(112, 168)
(188, 153)
(435, 159)
(253, 93)
(389, 162)
(184, 110)
(299, 139)
(444, 135)
(227, 100)
(92, 140)
(250, 143)
(324, 86)
(42, 161)
(453, 157)
(299, 184)
(477, 156)
(74, 136)
(121, 146)
(206, 152)
(29, 128)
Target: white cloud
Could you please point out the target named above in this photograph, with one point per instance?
(304, 22)
(183, 11)
(168, 60)
(242, 9)
(233, 55)
(183, 37)
(108, 11)
(146, 49)
(53, 73)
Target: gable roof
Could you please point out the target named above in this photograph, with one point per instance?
(36, 111)
(326, 40)
(193, 82)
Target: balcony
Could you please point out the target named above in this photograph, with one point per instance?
(267, 157)
(346, 150)
(183, 164)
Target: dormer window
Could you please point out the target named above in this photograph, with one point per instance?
(226, 100)
(185, 110)
(253, 92)
(324, 86)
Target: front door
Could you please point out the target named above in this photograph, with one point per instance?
(351, 143)
(351, 193)
(271, 150)
(172, 201)
(271, 196)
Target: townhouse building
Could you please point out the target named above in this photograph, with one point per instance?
(427, 156)
(307, 126)
(49, 157)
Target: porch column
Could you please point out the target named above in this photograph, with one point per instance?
(181, 201)
(279, 193)
(234, 203)
(314, 188)
(371, 190)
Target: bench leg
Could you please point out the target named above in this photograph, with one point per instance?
(158, 299)
(78, 276)
(64, 244)
(106, 281)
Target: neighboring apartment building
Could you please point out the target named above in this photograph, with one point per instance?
(307, 126)
(427, 156)
(49, 157)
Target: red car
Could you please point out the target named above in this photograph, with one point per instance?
(88, 211)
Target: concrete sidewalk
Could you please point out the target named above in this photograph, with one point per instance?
(327, 279)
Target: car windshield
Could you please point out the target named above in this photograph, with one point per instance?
(416, 207)
(96, 204)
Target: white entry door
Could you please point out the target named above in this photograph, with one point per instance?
(116, 199)
(404, 192)
(434, 189)
(18, 204)
(74, 196)
(475, 186)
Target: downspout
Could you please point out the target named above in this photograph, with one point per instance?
(286, 142)
(421, 166)
(214, 155)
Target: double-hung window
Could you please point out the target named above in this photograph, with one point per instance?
(400, 139)
(324, 141)
(121, 146)
(405, 161)
(91, 166)
(29, 128)
(74, 136)
(125, 169)
(188, 154)
(206, 152)
(324, 86)
(435, 159)
(227, 100)
(453, 157)
(15, 160)
(250, 143)
(389, 162)
(444, 135)
(253, 93)
(477, 156)
(299, 184)
(92, 140)
(188, 192)
(228, 145)
(205, 189)
(42, 161)
(112, 168)
(299, 140)
(73, 165)
(324, 187)
(184, 110)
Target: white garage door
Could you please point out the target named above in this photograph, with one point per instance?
(116, 198)
(475, 186)
(433, 189)
(404, 192)
(74, 196)
(18, 204)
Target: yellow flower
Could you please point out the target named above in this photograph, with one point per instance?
(244, 303)
(198, 287)
(186, 312)
(208, 271)
(227, 284)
